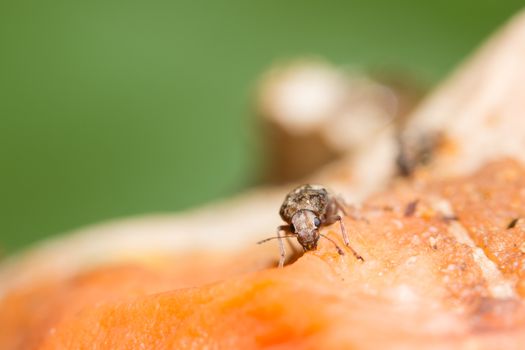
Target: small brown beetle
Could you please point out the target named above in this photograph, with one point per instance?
(305, 209)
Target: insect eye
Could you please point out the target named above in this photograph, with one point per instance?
(292, 228)
(317, 222)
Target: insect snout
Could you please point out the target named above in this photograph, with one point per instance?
(309, 243)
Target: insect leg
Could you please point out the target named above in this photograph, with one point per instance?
(344, 207)
(345, 237)
(281, 244)
(341, 205)
(293, 248)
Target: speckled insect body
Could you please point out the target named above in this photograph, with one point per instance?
(307, 197)
(305, 209)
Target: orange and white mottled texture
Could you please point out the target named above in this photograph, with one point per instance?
(423, 285)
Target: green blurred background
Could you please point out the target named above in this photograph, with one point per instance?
(114, 108)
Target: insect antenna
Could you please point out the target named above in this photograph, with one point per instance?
(276, 237)
(339, 250)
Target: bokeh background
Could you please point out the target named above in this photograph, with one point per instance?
(114, 108)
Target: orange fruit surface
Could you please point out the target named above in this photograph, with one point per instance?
(443, 268)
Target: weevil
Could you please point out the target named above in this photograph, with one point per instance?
(305, 209)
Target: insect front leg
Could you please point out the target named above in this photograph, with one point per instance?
(282, 255)
(345, 236)
(292, 248)
(343, 207)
